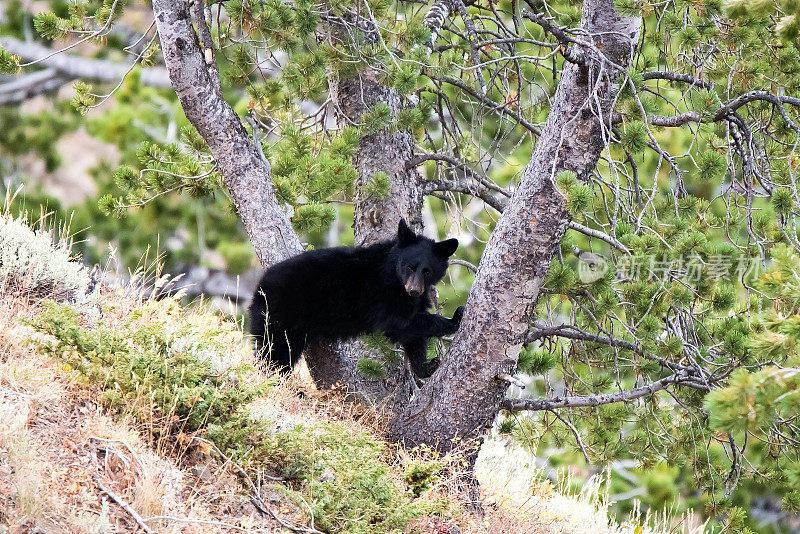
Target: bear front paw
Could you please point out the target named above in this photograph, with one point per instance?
(458, 315)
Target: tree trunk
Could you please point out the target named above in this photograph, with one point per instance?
(246, 173)
(463, 397)
(247, 176)
(375, 220)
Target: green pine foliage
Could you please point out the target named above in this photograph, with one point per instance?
(634, 137)
(377, 118)
(49, 25)
(9, 63)
(377, 186)
(83, 99)
(535, 361)
(371, 369)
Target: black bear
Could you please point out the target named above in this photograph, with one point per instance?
(344, 292)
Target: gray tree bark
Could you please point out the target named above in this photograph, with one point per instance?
(375, 220)
(246, 173)
(463, 397)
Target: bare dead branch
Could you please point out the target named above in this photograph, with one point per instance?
(79, 67)
(591, 232)
(571, 54)
(511, 380)
(464, 263)
(675, 77)
(476, 190)
(131, 512)
(491, 103)
(584, 401)
(723, 113)
(30, 85)
(255, 494)
(473, 38)
(575, 433)
(539, 331)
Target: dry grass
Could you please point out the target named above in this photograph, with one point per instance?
(57, 441)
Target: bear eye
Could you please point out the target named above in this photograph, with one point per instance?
(426, 272)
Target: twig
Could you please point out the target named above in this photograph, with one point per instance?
(571, 54)
(256, 496)
(675, 77)
(476, 190)
(136, 517)
(79, 67)
(575, 433)
(199, 522)
(463, 263)
(512, 380)
(584, 401)
(138, 462)
(489, 102)
(591, 232)
(539, 331)
(473, 38)
(256, 140)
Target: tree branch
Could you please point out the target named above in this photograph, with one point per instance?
(246, 174)
(584, 401)
(591, 232)
(473, 38)
(476, 190)
(463, 166)
(722, 113)
(539, 331)
(489, 102)
(125, 506)
(675, 77)
(30, 85)
(79, 67)
(571, 54)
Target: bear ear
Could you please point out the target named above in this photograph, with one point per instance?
(405, 235)
(445, 248)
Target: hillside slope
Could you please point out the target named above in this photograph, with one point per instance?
(125, 414)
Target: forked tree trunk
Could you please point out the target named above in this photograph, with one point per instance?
(463, 397)
(247, 176)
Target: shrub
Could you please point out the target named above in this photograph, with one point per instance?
(168, 370)
(32, 263)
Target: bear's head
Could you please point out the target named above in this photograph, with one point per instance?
(420, 262)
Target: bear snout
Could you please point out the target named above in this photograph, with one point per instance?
(415, 286)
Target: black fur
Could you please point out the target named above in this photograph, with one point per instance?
(344, 292)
